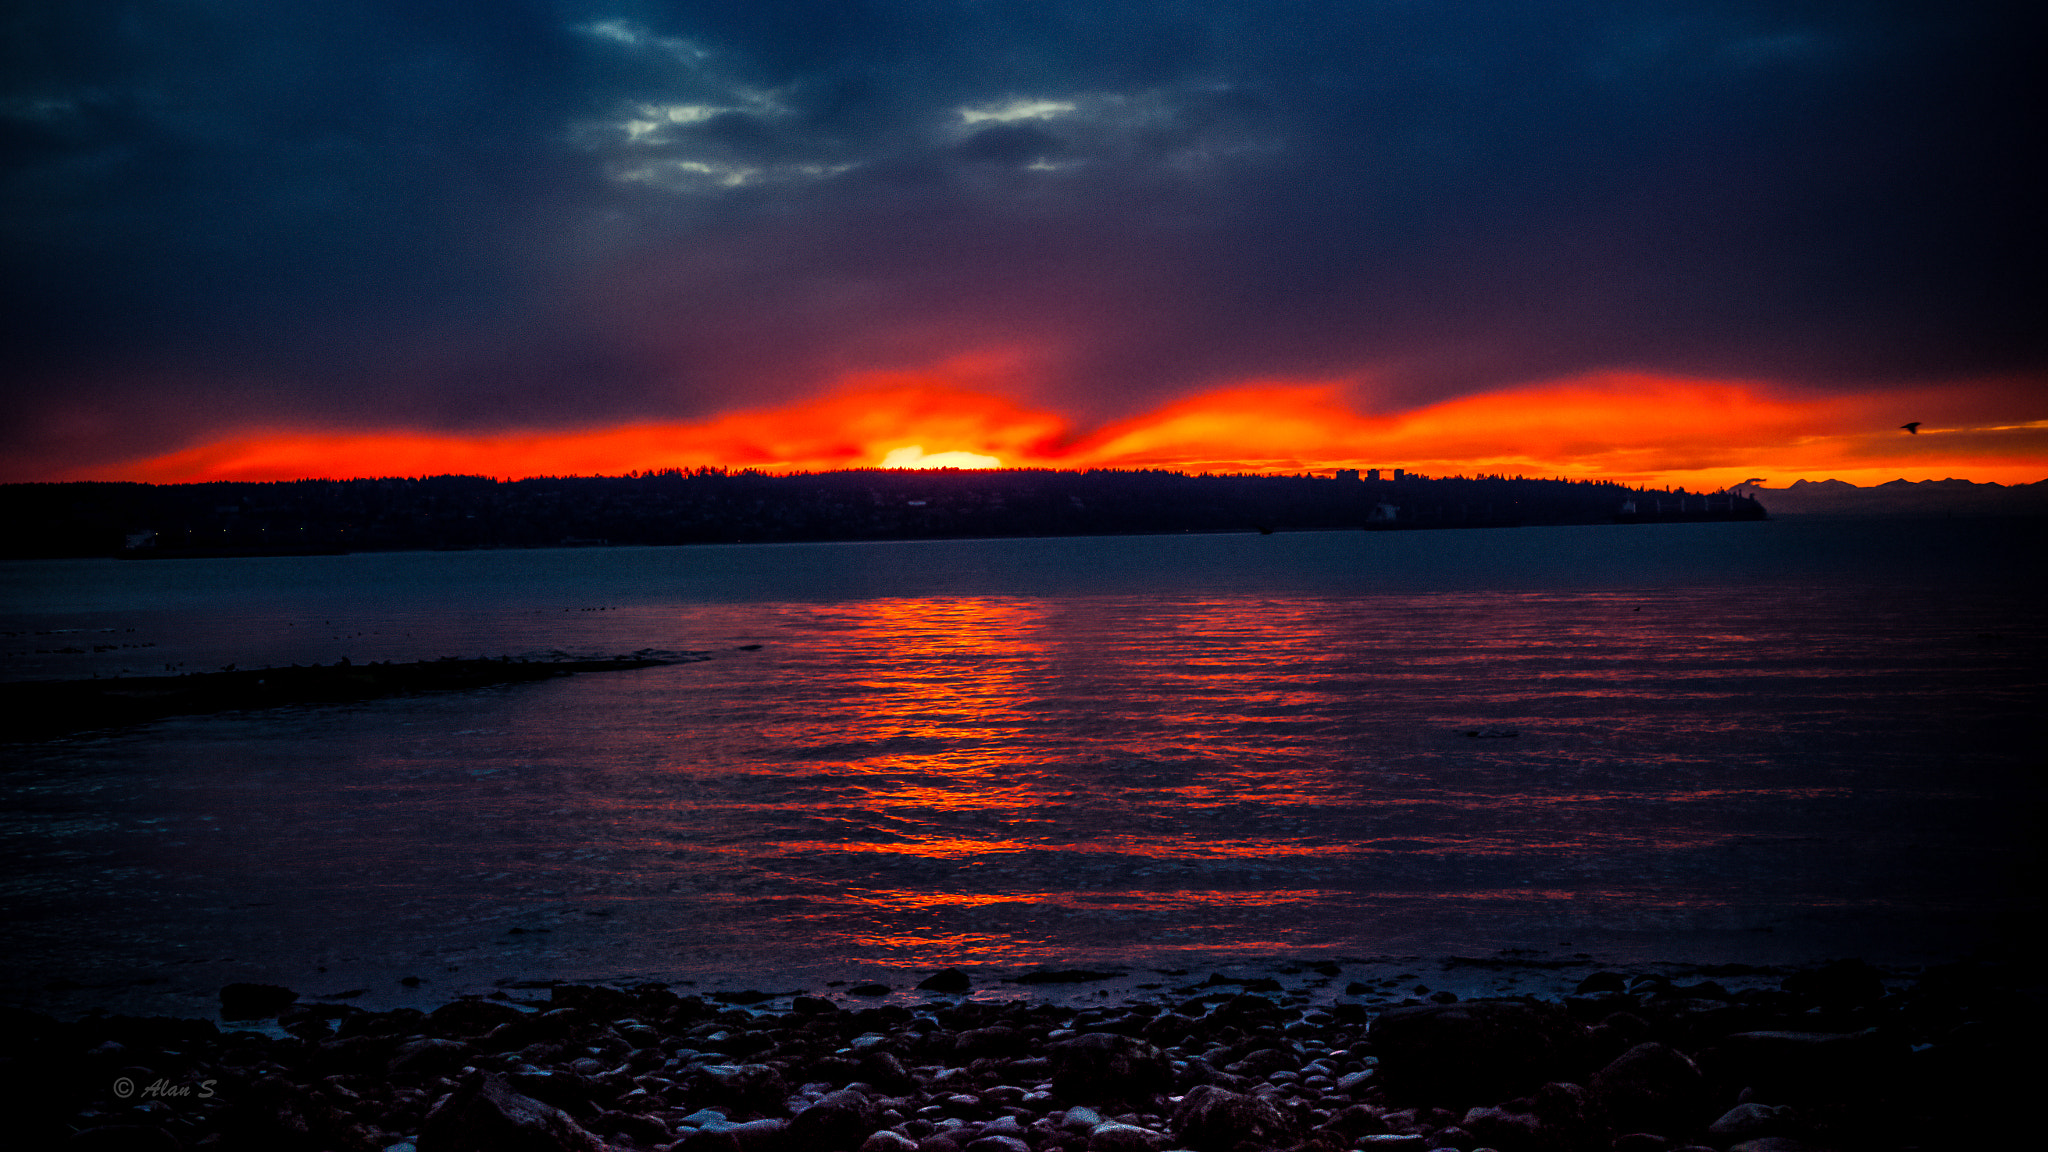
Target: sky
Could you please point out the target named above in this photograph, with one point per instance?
(1690, 242)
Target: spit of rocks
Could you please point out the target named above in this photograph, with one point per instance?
(48, 708)
(1827, 1060)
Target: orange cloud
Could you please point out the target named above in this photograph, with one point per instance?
(1642, 429)
(855, 428)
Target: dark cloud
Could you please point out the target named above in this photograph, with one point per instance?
(481, 214)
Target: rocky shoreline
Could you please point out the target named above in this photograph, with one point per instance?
(1833, 1058)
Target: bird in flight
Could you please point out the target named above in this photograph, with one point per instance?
(1914, 427)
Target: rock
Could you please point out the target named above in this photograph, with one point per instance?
(977, 1043)
(869, 989)
(887, 1141)
(122, 1138)
(1602, 982)
(1800, 1066)
(1211, 1119)
(884, 1071)
(752, 1087)
(1356, 1120)
(1105, 1066)
(254, 1001)
(945, 980)
(1352, 1083)
(1616, 1033)
(595, 1001)
(1840, 984)
(1115, 1137)
(565, 1090)
(1772, 1144)
(1651, 1088)
(1351, 1009)
(1507, 1128)
(1064, 976)
(1081, 1118)
(473, 1017)
(427, 1058)
(997, 1143)
(642, 1129)
(761, 1135)
(1562, 1106)
(1245, 1011)
(354, 1056)
(274, 1113)
(812, 1006)
(708, 1139)
(1747, 1121)
(484, 1114)
(1474, 1052)
(837, 1120)
(1265, 1062)
(1002, 1125)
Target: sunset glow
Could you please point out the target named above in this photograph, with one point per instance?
(1672, 247)
(916, 457)
(1637, 429)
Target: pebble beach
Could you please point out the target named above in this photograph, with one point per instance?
(1312, 1057)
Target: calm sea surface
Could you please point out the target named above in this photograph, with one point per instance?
(1761, 742)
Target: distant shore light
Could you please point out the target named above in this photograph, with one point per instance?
(915, 457)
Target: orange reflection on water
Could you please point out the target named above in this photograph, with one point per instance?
(936, 847)
(1180, 848)
(1126, 900)
(902, 900)
(945, 664)
(952, 678)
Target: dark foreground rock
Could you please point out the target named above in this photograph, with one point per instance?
(254, 1001)
(1464, 1054)
(1807, 1066)
(484, 1114)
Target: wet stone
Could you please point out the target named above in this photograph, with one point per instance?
(1747, 1121)
(945, 980)
(486, 1115)
(254, 1001)
(1211, 1119)
(1118, 1137)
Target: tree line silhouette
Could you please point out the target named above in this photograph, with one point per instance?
(712, 505)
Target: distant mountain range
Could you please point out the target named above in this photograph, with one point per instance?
(1901, 498)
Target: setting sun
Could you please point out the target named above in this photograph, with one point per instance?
(916, 457)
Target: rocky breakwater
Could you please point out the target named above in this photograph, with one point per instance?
(1828, 1059)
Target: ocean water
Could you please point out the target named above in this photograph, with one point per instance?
(1751, 742)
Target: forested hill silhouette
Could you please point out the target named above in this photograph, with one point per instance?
(718, 506)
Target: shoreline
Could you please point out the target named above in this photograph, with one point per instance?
(1514, 972)
(1312, 1056)
(183, 981)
